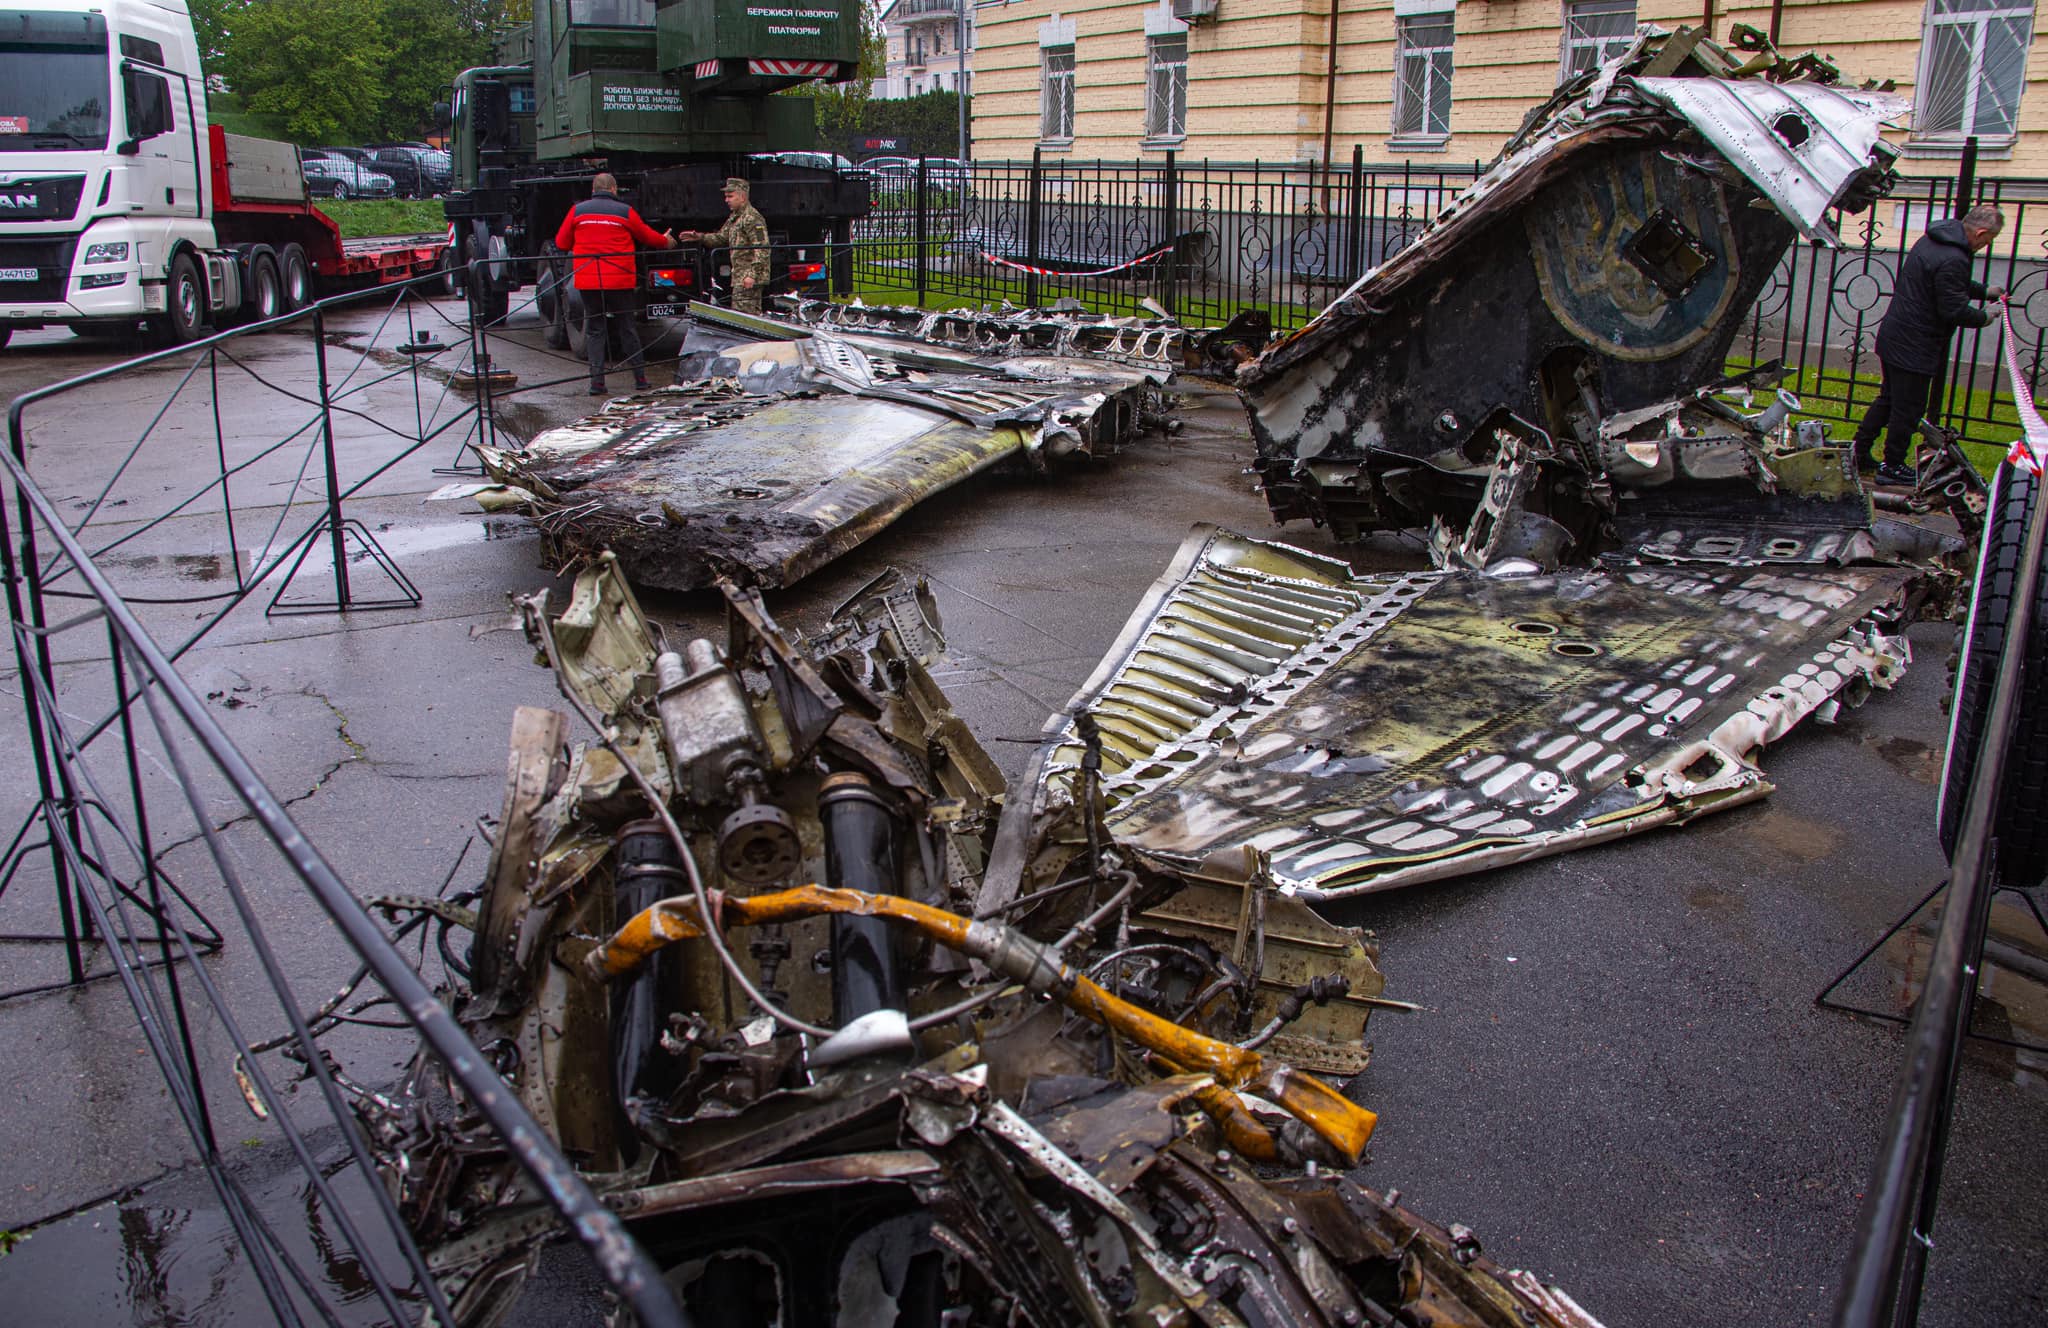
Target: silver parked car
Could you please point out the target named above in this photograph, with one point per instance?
(338, 177)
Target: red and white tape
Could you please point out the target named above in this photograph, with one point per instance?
(988, 257)
(2030, 449)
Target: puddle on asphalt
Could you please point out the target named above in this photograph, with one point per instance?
(166, 1256)
(1915, 760)
(184, 566)
(1783, 835)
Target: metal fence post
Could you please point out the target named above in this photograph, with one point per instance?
(921, 228)
(1940, 393)
(334, 530)
(1034, 226)
(1169, 188)
(1354, 248)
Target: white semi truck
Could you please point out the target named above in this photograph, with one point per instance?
(120, 206)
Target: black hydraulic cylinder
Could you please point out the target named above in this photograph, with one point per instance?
(861, 833)
(647, 870)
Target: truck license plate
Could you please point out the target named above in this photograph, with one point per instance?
(19, 273)
(661, 311)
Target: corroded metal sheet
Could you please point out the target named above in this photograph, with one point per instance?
(1358, 733)
(780, 456)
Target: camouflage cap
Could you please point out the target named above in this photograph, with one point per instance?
(734, 184)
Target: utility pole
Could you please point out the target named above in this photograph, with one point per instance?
(960, 83)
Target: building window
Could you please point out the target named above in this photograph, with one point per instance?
(1595, 31)
(1972, 67)
(1056, 97)
(1166, 86)
(1422, 76)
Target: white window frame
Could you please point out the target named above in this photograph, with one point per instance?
(1051, 82)
(1976, 23)
(1598, 49)
(1166, 87)
(1423, 133)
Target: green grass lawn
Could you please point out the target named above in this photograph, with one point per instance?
(360, 217)
(1823, 395)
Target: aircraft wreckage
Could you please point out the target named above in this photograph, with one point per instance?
(871, 1099)
(1641, 581)
(789, 443)
(1051, 1054)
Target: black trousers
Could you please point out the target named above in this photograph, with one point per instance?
(613, 307)
(1901, 402)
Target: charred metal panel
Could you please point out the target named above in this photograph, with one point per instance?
(783, 455)
(1602, 265)
(1359, 733)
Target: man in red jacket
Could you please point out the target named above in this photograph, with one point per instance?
(603, 234)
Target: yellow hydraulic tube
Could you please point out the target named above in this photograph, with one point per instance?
(1341, 1123)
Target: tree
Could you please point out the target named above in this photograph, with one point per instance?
(211, 21)
(319, 64)
(428, 44)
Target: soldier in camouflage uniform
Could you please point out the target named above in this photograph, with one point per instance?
(746, 235)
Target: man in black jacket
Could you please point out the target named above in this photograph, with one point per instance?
(1931, 302)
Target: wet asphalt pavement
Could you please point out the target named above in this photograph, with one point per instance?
(1619, 1078)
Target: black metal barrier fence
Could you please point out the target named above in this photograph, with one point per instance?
(1208, 240)
(1887, 1268)
(134, 774)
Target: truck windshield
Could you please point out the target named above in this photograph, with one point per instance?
(54, 81)
(612, 13)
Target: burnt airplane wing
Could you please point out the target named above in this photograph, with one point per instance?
(1270, 717)
(779, 455)
(1603, 264)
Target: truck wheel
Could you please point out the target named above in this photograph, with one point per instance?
(572, 320)
(266, 287)
(184, 315)
(297, 277)
(2023, 795)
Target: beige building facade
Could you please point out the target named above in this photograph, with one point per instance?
(1447, 81)
(928, 46)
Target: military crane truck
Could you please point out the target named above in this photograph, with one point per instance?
(672, 97)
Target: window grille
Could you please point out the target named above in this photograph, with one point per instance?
(1056, 98)
(1973, 65)
(1422, 76)
(1166, 95)
(1595, 31)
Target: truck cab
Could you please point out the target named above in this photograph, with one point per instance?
(104, 185)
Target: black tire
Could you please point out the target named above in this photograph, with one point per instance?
(553, 299)
(184, 317)
(296, 275)
(2021, 820)
(572, 321)
(265, 299)
(6, 335)
(340, 194)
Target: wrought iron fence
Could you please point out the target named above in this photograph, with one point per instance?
(1208, 240)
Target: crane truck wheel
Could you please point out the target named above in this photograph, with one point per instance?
(297, 277)
(2017, 820)
(266, 286)
(572, 320)
(184, 315)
